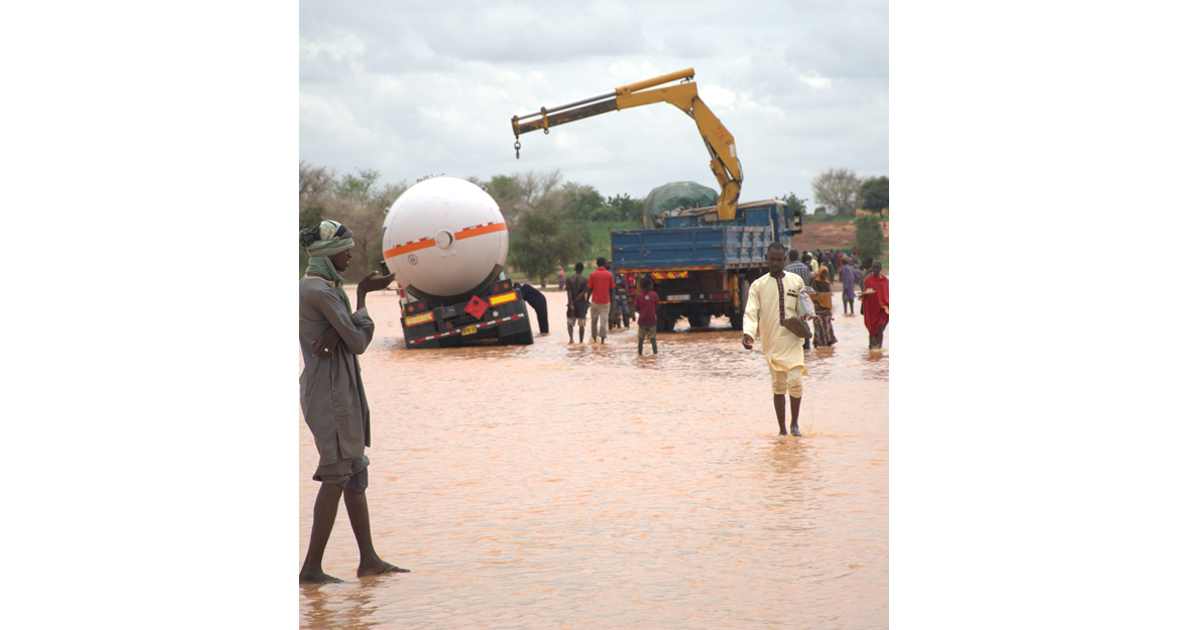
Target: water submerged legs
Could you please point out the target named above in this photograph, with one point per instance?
(324, 514)
(781, 417)
(369, 562)
(875, 341)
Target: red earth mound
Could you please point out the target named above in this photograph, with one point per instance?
(830, 235)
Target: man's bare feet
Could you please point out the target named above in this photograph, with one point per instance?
(379, 568)
(319, 578)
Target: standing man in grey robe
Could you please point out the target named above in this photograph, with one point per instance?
(332, 396)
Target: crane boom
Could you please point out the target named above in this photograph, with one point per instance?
(721, 149)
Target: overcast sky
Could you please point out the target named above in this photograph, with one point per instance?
(419, 88)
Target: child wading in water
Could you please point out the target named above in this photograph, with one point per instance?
(644, 304)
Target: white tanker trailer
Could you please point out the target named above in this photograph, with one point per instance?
(447, 243)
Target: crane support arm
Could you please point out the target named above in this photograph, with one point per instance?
(721, 148)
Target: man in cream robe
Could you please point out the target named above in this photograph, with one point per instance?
(772, 298)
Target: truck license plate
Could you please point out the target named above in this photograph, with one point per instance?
(468, 330)
(678, 298)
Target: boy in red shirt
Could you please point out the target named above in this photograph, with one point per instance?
(644, 304)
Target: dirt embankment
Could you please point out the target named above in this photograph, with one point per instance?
(831, 235)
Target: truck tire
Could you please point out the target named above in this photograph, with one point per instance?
(735, 318)
(524, 338)
(699, 321)
(665, 324)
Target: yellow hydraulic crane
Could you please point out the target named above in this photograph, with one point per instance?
(724, 161)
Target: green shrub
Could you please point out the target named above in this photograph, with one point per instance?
(868, 236)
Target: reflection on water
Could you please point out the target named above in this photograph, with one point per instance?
(583, 486)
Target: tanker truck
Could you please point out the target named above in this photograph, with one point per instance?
(447, 243)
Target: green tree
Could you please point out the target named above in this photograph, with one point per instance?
(314, 184)
(311, 216)
(544, 239)
(868, 235)
(581, 201)
(355, 187)
(503, 189)
(873, 194)
(624, 208)
(837, 188)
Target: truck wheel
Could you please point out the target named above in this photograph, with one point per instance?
(665, 324)
(699, 321)
(524, 338)
(735, 321)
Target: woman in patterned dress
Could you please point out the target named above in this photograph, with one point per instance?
(823, 302)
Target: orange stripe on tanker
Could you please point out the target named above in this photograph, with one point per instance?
(410, 246)
(445, 236)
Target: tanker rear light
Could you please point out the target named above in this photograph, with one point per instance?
(415, 307)
(501, 286)
(720, 296)
(503, 298)
(418, 319)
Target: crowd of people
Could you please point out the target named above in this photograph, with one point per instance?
(603, 296)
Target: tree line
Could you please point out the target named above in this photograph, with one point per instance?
(551, 222)
(841, 192)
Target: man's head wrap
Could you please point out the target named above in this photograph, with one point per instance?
(321, 242)
(327, 239)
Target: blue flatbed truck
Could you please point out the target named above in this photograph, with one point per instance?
(701, 266)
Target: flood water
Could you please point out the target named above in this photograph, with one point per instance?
(581, 486)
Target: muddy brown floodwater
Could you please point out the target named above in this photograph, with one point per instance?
(581, 486)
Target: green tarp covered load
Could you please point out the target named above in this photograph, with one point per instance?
(673, 196)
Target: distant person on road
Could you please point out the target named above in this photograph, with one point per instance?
(332, 397)
(644, 305)
(875, 308)
(823, 336)
(772, 298)
(560, 278)
(864, 271)
(577, 303)
(534, 298)
(800, 268)
(797, 267)
(619, 313)
(849, 280)
(600, 286)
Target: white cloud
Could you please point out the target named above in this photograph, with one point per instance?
(331, 118)
(820, 83)
(716, 96)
